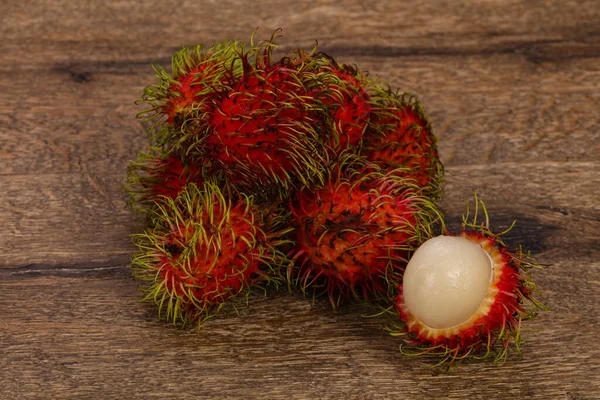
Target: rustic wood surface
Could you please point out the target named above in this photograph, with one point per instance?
(513, 92)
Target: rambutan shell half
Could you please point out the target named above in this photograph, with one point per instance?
(489, 322)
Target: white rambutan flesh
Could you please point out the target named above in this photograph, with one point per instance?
(446, 281)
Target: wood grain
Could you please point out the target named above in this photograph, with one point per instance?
(512, 90)
(89, 336)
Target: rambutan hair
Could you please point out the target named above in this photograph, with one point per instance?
(204, 248)
(355, 234)
(265, 131)
(156, 174)
(346, 92)
(400, 135)
(280, 125)
(181, 98)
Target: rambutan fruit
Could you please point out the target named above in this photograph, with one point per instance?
(401, 136)
(181, 98)
(265, 130)
(465, 295)
(156, 174)
(203, 249)
(355, 234)
(344, 90)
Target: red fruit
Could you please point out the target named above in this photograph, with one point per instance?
(263, 131)
(170, 177)
(401, 137)
(191, 91)
(203, 250)
(356, 233)
(155, 175)
(345, 94)
(179, 101)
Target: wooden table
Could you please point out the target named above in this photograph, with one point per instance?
(513, 93)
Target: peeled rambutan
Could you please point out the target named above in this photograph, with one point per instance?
(355, 234)
(203, 249)
(465, 295)
(401, 136)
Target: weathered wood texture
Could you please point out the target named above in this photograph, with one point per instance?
(512, 89)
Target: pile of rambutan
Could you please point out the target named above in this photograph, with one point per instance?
(305, 173)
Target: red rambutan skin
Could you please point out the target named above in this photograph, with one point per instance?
(348, 102)
(154, 176)
(178, 104)
(202, 250)
(403, 138)
(262, 127)
(352, 236)
(170, 177)
(191, 90)
(213, 274)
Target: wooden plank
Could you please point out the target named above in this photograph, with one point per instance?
(66, 155)
(545, 114)
(512, 89)
(64, 219)
(63, 31)
(77, 219)
(71, 126)
(88, 336)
